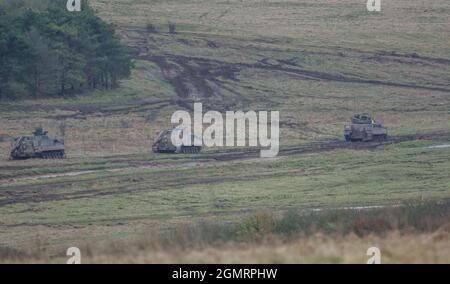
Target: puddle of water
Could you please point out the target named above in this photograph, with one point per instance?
(74, 174)
(70, 174)
(355, 208)
(439, 146)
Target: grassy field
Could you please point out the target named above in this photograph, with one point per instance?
(123, 200)
(317, 62)
(430, 248)
(409, 233)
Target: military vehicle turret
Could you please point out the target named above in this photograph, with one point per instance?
(163, 144)
(40, 145)
(365, 129)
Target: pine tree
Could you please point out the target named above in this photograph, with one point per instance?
(49, 51)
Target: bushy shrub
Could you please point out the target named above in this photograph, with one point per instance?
(256, 227)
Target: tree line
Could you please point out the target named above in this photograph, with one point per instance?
(46, 50)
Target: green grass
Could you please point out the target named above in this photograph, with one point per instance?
(392, 175)
(259, 229)
(314, 61)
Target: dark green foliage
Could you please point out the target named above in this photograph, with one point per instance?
(426, 217)
(46, 50)
(415, 218)
(11, 253)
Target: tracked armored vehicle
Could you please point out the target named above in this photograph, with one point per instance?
(163, 144)
(40, 145)
(365, 129)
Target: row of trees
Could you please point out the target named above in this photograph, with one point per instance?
(46, 50)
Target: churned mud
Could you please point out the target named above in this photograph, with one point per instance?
(197, 78)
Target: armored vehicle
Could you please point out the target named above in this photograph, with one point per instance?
(40, 145)
(163, 144)
(364, 128)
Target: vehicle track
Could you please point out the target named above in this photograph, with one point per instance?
(317, 147)
(192, 76)
(40, 193)
(250, 153)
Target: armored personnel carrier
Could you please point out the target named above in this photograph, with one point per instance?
(163, 144)
(365, 129)
(40, 145)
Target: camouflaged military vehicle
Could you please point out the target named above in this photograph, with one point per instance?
(40, 145)
(364, 128)
(163, 144)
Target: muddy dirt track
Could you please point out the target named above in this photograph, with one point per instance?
(213, 70)
(192, 77)
(318, 147)
(40, 193)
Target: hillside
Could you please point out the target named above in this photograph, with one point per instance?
(317, 62)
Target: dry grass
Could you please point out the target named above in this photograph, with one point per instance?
(412, 25)
(395, 248)
(409, 234)
(319, 248)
